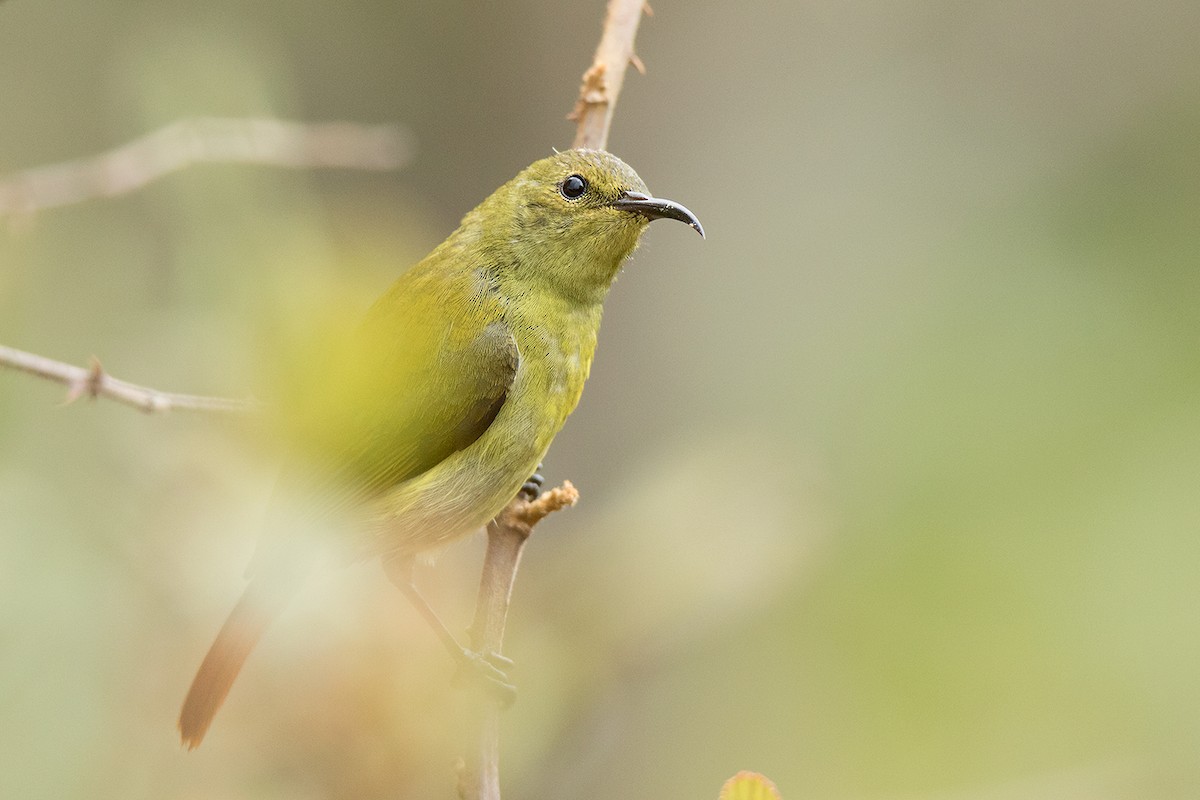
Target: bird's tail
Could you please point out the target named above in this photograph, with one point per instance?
(246, 624)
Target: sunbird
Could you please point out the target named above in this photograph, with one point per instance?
(450, 392)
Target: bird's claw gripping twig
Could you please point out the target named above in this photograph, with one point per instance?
(484, 671)
(532, 488)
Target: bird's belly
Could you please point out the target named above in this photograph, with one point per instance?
(467, 489)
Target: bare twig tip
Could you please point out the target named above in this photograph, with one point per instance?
(556, 499)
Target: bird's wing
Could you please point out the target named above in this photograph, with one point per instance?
(438, 408)
(424, 377)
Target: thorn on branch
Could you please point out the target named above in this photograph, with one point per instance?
(94, 382)
(592, 92)
(88, 384)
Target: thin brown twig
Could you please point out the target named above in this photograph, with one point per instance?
(479, 775)
(603, 80)
(479, 778)
(94, 382)
(198, 140)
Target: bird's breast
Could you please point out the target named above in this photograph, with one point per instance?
(554, 364)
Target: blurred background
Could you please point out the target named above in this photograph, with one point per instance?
(889, 486)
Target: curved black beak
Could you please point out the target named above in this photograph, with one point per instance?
(657, 208)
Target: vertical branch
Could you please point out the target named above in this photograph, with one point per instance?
(505, 545)
(479, 777)
(603, 80)
(507, 534)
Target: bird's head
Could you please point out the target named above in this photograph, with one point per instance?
(572, 219)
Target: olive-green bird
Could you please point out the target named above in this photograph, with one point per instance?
(448, 396)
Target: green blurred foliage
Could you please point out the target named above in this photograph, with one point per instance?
(889, 487)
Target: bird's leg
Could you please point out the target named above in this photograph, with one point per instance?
(484, 667)
(532, 487)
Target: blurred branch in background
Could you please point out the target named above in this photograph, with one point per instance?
(94, 382)
(198, 140)
(216, 140)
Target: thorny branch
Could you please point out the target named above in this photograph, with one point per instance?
(479, 775)
(603, 80)
(94, 382)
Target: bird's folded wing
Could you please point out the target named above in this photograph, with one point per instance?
(440, 407)
(423, 378)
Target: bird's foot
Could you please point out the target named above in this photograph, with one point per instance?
(532, 488)
(485, 671)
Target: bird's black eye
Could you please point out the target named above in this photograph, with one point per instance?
(573, 187)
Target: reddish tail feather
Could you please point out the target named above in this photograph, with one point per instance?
(240, 633)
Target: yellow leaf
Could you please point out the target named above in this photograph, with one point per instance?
(749, 786)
